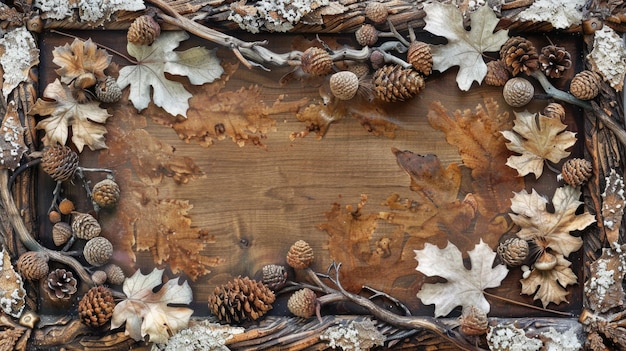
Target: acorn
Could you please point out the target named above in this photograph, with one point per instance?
(474, 322)
(576, 171)
(316, 61)
(376, 12)
(33, 265)
(85, 226)
(585, 85)
(106, 193)
(367, 35)
(303, 303)
(545, 262)
(61, 233)
(115, 274)
(420, 57)
(108, 91)
(143, 31)
(98, 251)
(60, 162)
(54, 217)
(344, 85)
(66, 206)
(96, 308)
(300, 255)
(518, 92)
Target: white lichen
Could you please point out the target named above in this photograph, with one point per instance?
(555, 341)
(12, 291)
(561, 14)
(273, 15)
(613, 201)
(506, 337)
(354, 336)
(92, 11)
(602, 280)
(202, 336)
(608, 57)
(20, 54)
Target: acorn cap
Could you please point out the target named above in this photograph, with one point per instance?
(115, 274)
(106, 193)
(98, 251)
(85, 226)
(316, 61)
(96, 308)
(61, 233)
(344, 85)
(33, 265)
(60, 162)
(300, 255)
(303, 303)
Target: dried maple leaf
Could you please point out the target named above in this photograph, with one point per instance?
(79, 58)
(537, 138)
(551, 229)
(19, 55)
(147, 312)
(12, 145)
(463, 287)
(64, 111)
(550, 285)
(464, 49)
(198, 64)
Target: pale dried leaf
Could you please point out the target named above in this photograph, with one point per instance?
(20, 54)
(465, 48)
(463, 287)
(12, 145)
(608, 56)
(613, 203)
(503, 337)
(148, 313)
(537, 138)
(550, 285)
(12, 293)
(604, 289)
(79, 58)
(561, 14)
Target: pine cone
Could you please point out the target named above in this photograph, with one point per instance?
(98, 251)
(61, 233)
(60, 162)
(316, 61)
(555, 110)
(61, 284)
(106, 193)
(360, 69)
(241, 300)
(554, 60)
(115, 274)
(274, 276)
(344, 85)
(420, 57)
(513, 251)
(143, 31)
(576, 171)
(99, 277)
(497, 73)
(96, 307)
(393, 83)
(519, 55)
(303, 303)
(376, 12)
(33, 265)
(367, 35)
(585, 85)
(85, 226)
(300, 255)
(518, 92)
(108, 90)
(474, 322)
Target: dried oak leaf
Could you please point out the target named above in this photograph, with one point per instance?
(465, 48)
(613, 203)
(9, 338)
(537, 138)
(198, 64)
(12, 145)
(463, 287)
(78, 58)
(64, 111)
(149, 313)
(550, 285)
(19, 55)
(551, 229)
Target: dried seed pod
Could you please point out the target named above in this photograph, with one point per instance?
(85, 226)
(554, 60)
(585, 85)
(241, 300)
(377, 59)
(474, 322)
(115, 274)
(303, 303)
(143, 31)
(60, 162)
(99, 277)
(555, 110)
(33, 265)
(518, 92)
(316, 61)
(394, 83)
(360, 69)
(576, 171)
(96, 307)
(29, 319)
(367, 35)
(61, 233)
(545, 262)
(513, 251)
(106, 193)
(420, 57)
(497, 74)
(98, 251)
(108, 91)
(274, 276)
(61, 284)
(300, 255)
(519, 55)
(376, 12)
(344, 85)
(66, 206)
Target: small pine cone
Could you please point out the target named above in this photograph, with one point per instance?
(99, 277)
(519, 55)
(115, 274)
(106, 193)
(98, 251)
(518, 92)
(360, 69)
(344, 85)
(108, 91)
(316, 61)
(367, 35)
(585, 85)
(300, 255)
(376, 12)
(303, 303)
(274, 276)
(474, 322)
(96, 307)
(241, 300)
(33, 265)
(61, 284)
(420, 57)
(60, 162)
(61, 233)
(143, 31)
(513, 251)
(554, 60)
(85, 226)
(394, 83)
(576, 171)
(497, 74)
(554, 110)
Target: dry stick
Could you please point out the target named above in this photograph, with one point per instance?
(610, 123)
(528, 305)
(25, 237)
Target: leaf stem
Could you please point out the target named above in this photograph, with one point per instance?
(125, 57)
(528, 305)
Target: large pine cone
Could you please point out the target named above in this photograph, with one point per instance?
(61, 284)
(519, 55)
(96, 307)
(576, 171)
(554, 60)
(300, 255)
(60, 162)
(241, 300)
(143, 31)
(394, 83)
(420, 57)
(513, 251)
